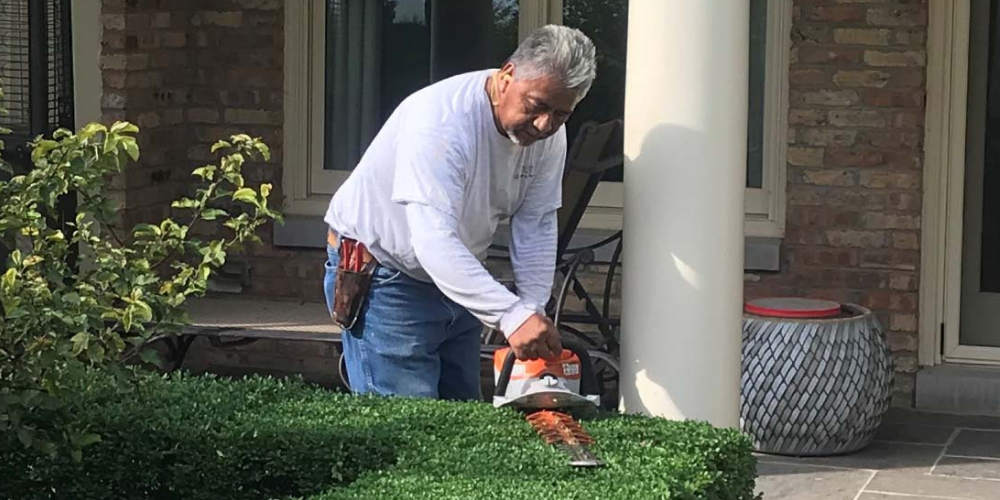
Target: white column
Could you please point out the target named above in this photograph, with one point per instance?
(685, 172)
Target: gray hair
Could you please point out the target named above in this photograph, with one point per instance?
(558, 51)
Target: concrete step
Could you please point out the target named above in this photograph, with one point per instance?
(965, 389)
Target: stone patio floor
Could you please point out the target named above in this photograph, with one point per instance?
(916, 456)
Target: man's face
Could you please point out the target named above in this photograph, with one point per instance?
(531, 110)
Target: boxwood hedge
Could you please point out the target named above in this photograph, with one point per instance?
(193, 438)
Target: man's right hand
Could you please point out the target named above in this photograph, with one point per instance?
(536, 338)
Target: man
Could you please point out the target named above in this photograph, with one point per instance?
(452, 161)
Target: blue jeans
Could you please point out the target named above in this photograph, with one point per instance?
(409, 339)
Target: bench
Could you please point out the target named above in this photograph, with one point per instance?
(233, 322)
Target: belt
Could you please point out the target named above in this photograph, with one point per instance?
(333, 239)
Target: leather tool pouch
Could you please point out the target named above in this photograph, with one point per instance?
(350, 290)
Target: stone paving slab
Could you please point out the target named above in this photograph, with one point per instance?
(973, 468)
(916, 456)
(781, 481)
(945, 487)
(976, 443)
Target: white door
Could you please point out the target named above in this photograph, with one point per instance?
(979, 328)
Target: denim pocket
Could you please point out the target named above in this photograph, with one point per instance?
(385, 276)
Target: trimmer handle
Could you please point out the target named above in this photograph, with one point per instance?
(588, 381)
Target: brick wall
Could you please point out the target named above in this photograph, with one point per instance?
(857, 85)
(188, 73)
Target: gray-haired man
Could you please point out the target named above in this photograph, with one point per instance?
(454, 160)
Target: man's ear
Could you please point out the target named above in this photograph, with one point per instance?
(505, 76)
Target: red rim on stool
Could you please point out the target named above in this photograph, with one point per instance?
(791, 307)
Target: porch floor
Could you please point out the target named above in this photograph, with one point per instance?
(916, 456)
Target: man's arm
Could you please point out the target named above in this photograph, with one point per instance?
(458, 274)
(534, 229)
(533, 256)
(431, 171)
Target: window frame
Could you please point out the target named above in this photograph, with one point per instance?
(764, 206)
(307, 187)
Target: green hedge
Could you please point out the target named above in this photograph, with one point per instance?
(203, 437)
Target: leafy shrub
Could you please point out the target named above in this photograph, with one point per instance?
(60, 317)
(208, 438)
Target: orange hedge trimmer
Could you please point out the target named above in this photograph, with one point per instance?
(547, 390)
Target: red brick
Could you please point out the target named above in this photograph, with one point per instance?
(837, 157)
(861, 78)
(903, 159)
(909, 78)
(837, 14)
(824, 98)
(897, 16)
(916, 37)
(903, 322)
(829, 177)
(862, 36)
(890, 259)
(858, 118)
(890, 139)
(907, 302)
(895, 180)
(902, 341)
(806, 157)
(881, 220)
(886, 58)
(856, 238)
(825, 257)
(905, 201)
(891, 98)
(829, 55)
(903, 281)
(906, 240)
(805, 236)
(811, 34)
(908, 119)
(808, 76)
(827, 137)
(807, 117)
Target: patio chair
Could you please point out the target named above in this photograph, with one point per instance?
(595, 150)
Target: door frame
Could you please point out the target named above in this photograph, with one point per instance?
(944, 189)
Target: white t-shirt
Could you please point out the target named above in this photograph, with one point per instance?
(429, 192)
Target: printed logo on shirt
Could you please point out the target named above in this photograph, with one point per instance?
(526, 172)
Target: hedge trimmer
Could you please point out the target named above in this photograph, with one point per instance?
(548, 391)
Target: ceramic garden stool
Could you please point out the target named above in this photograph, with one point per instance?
(816, 379)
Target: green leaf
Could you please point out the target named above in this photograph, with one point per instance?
(26, 437)
(96, 353)
(150, 356)
(247, 195)
(9, 280)
(207, 172)
(81, 342)
(185, 203)
(264, 150)
(123, 127)
(92, 129)
(213, 213)
(265, 190)
(219, 145)
(89, 439)
(77, 456)
(131, 147)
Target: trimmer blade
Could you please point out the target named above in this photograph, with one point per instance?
(566, 434)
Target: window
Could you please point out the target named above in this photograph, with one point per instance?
(606, 23)
(767, 129)
(353, 61)
(350, 62)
